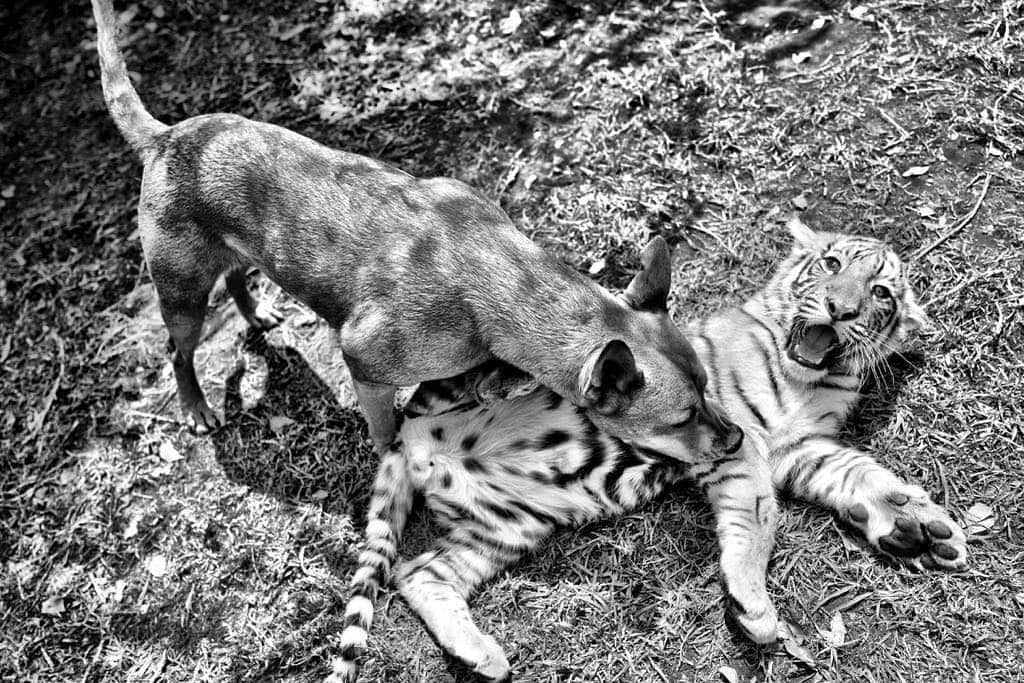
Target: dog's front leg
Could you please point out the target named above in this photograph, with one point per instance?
(378, 404)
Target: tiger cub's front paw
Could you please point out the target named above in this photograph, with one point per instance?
(752, 610)
(906, 525)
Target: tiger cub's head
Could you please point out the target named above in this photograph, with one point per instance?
(843, 300)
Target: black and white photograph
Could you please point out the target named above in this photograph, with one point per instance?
(556, 341)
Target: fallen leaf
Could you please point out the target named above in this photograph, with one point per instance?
(799, 652)
(157, 565)
(729, 674)
(914, 171)
(860, 13)
(7, 192)
(800, 202)
(510, 23)
(837, 632)
(132, 530)
(168, 453)
(320, 494)
(979, 519)
(22, 571)
(801, 57)
(54, 605)
(293, 31)
(279, 422)
(925, 211)
(597, 266)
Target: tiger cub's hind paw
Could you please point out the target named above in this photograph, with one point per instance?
(482, 654)
(492, 665)
(908, 527)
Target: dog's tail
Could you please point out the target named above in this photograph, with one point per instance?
(135, 123)
(390, 503)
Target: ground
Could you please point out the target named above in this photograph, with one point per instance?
(134, 550)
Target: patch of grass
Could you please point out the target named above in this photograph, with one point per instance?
(135, 551)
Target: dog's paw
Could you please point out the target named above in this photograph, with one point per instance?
(265, 317)
(907, 526)
(201, 417)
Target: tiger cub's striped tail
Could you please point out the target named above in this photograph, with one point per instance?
(390, 502)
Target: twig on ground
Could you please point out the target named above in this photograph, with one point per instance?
(40, 418)
(904, 133)
(945, 484)
(948, 296)
(153, 416)
(961, 224)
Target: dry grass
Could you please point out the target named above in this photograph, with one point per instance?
(135, 551)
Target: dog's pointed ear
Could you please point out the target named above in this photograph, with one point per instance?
(648, 290)
(609, 378)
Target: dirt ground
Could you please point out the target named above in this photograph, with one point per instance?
(133, 550)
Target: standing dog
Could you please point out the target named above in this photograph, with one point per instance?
(421, 278)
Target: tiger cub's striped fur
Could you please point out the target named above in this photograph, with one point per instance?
(790, 362)
(787, 365)
(502, 476)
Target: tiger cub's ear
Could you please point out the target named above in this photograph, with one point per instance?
(912, 314)
(804, 236)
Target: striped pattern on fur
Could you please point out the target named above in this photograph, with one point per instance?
(502, 476)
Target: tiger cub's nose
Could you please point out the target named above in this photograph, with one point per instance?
(841, 311)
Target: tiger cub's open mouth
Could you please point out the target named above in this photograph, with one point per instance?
(813, 346)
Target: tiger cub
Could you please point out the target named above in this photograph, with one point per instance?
(787, 366)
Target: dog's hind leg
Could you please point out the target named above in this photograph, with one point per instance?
(184, 267)
(259, 315)
(378, 404)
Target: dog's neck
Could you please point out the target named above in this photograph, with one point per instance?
(549, 320)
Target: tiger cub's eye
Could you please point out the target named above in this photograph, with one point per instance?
(881, 292)
(831, 264)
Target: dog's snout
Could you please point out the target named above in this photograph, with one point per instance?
(732, 439)
(728, 435)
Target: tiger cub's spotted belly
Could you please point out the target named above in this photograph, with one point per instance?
(535, 460)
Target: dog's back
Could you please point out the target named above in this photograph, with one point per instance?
(423, 278)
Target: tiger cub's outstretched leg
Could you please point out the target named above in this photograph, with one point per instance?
(897, 518)
(437, 584)
(390, 502)
(742, 495)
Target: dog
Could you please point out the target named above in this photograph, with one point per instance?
(419, 278)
